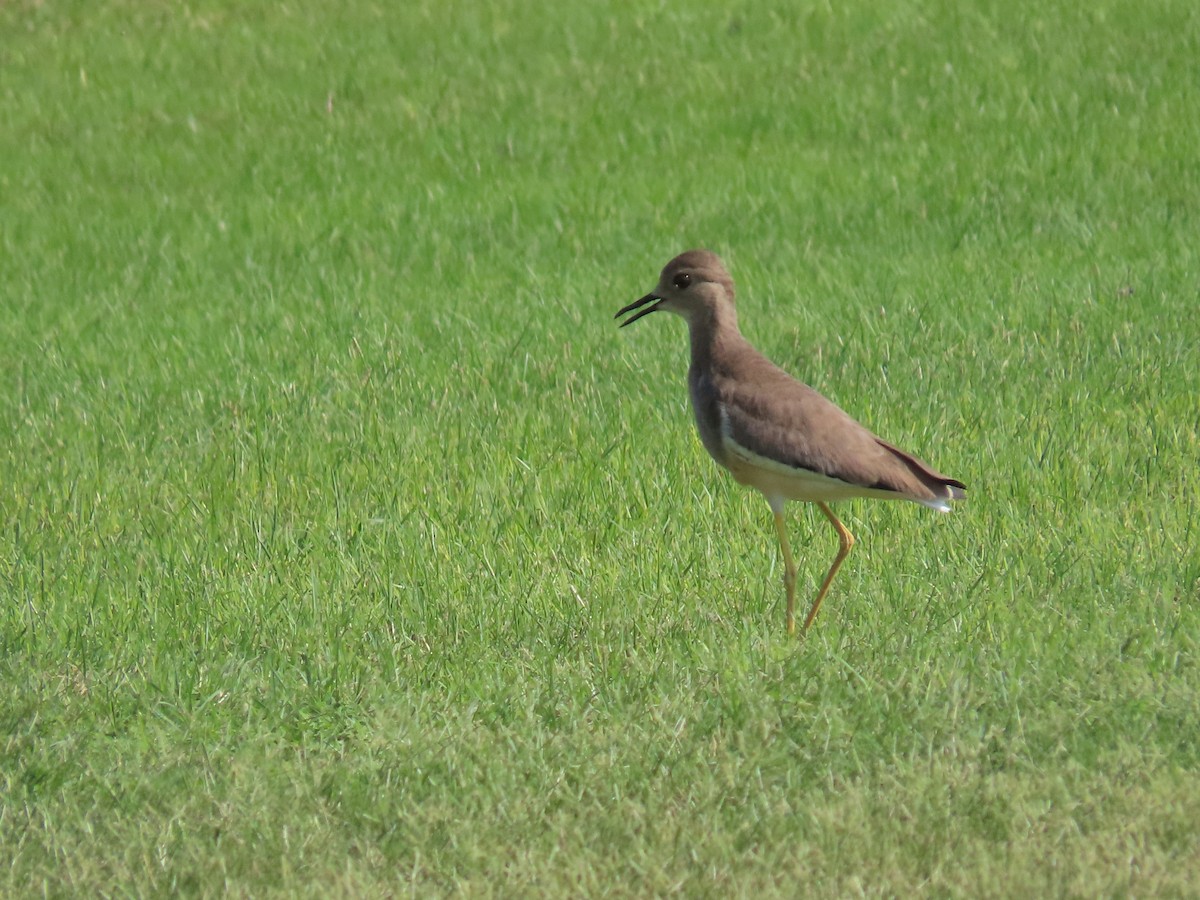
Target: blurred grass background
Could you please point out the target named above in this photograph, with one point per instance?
(346, 547)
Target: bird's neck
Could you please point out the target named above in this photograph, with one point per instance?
(713, 331)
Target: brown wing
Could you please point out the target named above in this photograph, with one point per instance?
(786, 420)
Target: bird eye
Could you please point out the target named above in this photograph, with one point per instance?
(682, 280)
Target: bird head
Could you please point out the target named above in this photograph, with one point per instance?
(692, 284)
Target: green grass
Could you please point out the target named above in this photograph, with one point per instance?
(348, 548)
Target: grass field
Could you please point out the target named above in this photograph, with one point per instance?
(347, 547)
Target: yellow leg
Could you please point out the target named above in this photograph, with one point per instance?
(789, 567)
(846, 540)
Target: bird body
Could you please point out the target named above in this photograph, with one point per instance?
(772, 432)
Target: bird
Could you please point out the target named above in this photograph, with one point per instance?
(773, 432)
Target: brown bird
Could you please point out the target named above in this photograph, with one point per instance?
(773, 432)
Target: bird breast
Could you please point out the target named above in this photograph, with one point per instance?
(707, 408)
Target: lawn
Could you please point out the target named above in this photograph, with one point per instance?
(348, 548)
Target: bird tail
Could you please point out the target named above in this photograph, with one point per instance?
(939, 490)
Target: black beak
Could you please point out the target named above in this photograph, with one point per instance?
(635, 305)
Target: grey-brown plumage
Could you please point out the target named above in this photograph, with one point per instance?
(771, 431)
